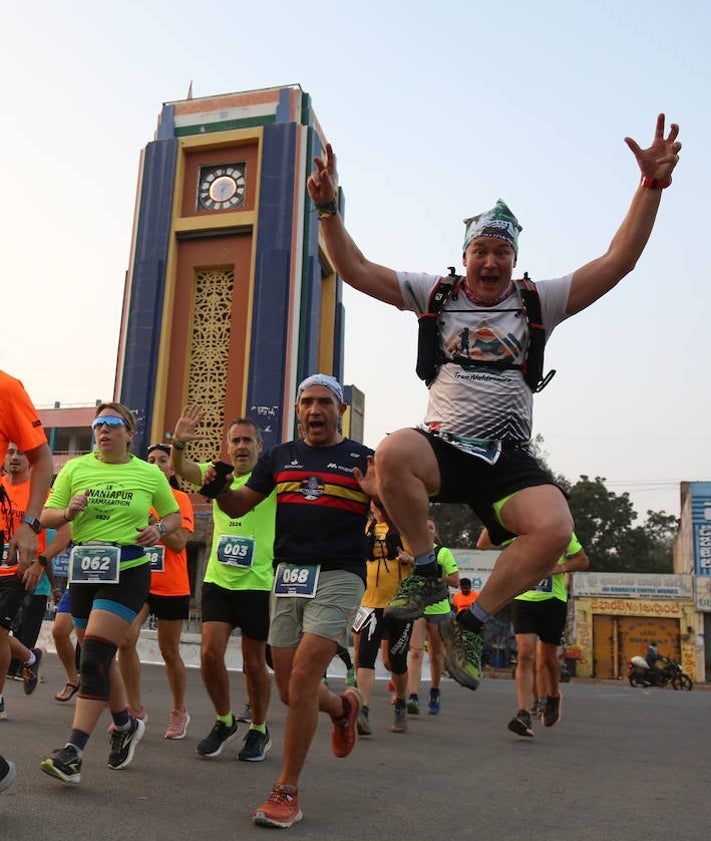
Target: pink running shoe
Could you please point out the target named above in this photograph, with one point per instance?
(177, 724)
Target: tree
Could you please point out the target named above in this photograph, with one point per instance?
(457, 524)
(659, 531)
(661, 526)
(604, 525)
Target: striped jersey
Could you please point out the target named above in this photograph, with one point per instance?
(321, 509)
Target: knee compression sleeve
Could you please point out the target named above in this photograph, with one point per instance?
(96, 657)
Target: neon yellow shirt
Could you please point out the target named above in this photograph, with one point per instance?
(553, 586)
(120, 499)
(255, 531)
(446, 560)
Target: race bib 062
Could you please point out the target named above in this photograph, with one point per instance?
(95, 563)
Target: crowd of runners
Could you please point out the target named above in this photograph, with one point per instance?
(320, 537)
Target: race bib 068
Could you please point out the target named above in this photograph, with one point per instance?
(296, 580)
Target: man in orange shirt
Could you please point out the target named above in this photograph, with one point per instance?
(28, 620)
(466, 596)
(19, 422)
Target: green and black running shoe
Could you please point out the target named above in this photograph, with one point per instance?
(123, 744)
(463, 649)
(65, 765)
(415, 593)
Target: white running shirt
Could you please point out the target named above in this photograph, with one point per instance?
(483, 403)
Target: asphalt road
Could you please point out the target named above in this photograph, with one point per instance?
(623, 764)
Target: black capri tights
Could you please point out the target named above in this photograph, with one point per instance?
(376, 628)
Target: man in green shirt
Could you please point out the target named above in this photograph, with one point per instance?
(539, 617)
(236, 588)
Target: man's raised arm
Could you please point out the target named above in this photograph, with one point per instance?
(185, 432)
(656, 164)
(372, 279)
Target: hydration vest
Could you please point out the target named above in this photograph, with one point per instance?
(392, 543)
(430, 356)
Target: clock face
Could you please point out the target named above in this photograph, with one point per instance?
(221, 187)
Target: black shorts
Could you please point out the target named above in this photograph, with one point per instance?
(545, 618)
(28, 621)
(12, 593)
(169, 607)
(247, 610)
(125, 599)
(467, 479)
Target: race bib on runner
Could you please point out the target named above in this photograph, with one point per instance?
(296, 580)
(545, 586)
(361, 617)
(481, 448)
(156, 558)
(95, 563)
(235, 550)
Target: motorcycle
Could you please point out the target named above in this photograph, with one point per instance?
(664, 672)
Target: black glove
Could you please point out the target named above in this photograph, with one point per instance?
(212, 489)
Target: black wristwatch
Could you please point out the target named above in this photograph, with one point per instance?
(42, 561)
(33, 523)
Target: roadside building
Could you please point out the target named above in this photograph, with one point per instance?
(692, 556)
(614, 616)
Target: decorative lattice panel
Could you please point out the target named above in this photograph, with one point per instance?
(209, 350)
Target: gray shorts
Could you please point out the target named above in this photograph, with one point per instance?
(329, 614)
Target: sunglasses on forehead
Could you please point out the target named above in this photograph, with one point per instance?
(109, 421)
(164, 448)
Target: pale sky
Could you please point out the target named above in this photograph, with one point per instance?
(434, 111)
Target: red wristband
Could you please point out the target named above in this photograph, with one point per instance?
(655, 183)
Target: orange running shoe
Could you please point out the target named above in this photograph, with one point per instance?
(344, 735)
(281, 808)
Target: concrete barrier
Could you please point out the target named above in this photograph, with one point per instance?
(148, 651)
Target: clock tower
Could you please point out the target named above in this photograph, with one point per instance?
(229, 300)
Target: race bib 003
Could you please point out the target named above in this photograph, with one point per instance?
(235, 550)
